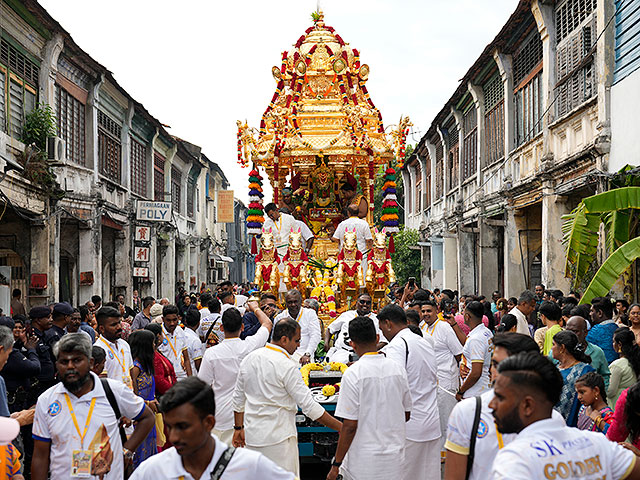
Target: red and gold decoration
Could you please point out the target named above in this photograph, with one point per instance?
(349, 276)
(295, 264)
(267, 277)
(379, 270)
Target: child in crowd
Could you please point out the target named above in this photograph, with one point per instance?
(99, 359)
(9, 455)
(594, 415)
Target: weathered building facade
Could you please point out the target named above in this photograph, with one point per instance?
(79, 235)
(521, 141)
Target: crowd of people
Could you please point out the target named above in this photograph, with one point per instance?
(208, 386)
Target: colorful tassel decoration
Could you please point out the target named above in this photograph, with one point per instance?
(255, 214)
(390, 208)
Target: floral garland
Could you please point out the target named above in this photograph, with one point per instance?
(390, 204)
(330, 304)
(333, 366)
(255, 215)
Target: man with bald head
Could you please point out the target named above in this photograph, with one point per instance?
(578, 325)
(309, 326)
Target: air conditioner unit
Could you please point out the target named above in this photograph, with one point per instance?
(56, 149)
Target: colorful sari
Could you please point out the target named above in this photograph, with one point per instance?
(147, 390)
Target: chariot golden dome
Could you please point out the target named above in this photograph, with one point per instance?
(321, 106)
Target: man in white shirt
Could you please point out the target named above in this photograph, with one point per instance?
(342, 350)
(416, 356)
(196, 453)
(268, 392)
(526, 306)
(488, 440)
(205, 298)
(221, 363)
(192, 339)
(364, 238)
(448, 351)
(374, 403)
(118, 361)
(174, 343)
(476, 354)
(527, 387)
(309, 325)
(75, 429)
(239, 301)
(281, 225)
(213, 318)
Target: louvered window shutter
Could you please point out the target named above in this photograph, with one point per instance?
(3, 105)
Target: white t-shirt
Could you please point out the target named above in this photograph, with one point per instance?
(53, 423)
(523, 324)
(281, 230)
(375, 392)
(219, 368)
(550, 449)
(341, 325)
(478, 348)
(488, 440)
(244, 465)
(446, 347)
(309, 329)
(172, 346)
(118, 361)
(194, 347)
(363, 232)
(206, 322)
(416, 355)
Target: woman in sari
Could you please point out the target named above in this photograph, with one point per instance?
(142, 344)
(572, 363)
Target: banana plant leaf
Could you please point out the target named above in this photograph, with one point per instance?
(616, 199)
(611, 270)
(580, 235)
(617, 226)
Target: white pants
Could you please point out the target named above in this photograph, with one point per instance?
(283, 454)
(446, 402)
(225, 436)
(421, 460)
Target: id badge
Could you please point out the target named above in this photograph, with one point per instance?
(81, 463)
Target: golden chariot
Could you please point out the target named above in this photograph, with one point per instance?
(322, 144)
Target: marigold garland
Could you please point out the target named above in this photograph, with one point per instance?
(255, 214)
(389, 204)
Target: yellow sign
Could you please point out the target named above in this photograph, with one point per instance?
(225, 206)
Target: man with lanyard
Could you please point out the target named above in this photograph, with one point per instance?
(189, 411)
(448, 351)
(342, 350)
(578, 325)
(267, 394)
(281, 225)
(488, 440)
(118, 361)
(527, 387)
(417, 357)
(476, 354)
(375, 403)
(309, 325)
(75, 428)
(221, 363)
(174, 344)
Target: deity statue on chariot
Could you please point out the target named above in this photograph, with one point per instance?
(322, 144)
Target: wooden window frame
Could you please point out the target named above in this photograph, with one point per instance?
(70, 116)
(138, 161)
(158, 177)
